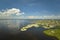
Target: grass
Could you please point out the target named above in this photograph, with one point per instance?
(53, 32)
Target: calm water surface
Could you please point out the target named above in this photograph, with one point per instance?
(10, 29)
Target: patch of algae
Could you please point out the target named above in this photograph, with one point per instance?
(53, 32)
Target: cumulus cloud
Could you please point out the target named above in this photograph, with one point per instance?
(11, 12)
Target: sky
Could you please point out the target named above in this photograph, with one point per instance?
(30, 8)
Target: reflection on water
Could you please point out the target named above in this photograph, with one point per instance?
(13, 26)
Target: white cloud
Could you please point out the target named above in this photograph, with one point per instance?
(44, 17)
(10, 12)
(34, 17)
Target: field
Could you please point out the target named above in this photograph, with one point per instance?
(53, 32)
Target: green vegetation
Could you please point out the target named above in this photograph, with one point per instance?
(53, 27)
(47, 24)
(53, 32)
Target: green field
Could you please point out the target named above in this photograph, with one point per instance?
(53, 32)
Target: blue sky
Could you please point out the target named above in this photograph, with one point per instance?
(33, 7)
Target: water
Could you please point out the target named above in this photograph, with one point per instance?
(10, 30)
(12, 26)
